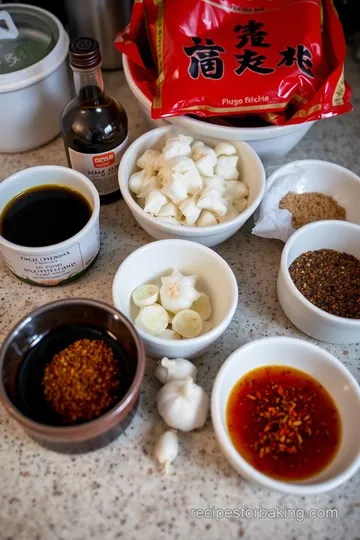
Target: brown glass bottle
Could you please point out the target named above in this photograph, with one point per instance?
(94, 126)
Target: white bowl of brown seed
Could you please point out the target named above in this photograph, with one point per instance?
(319, 281)
(307, 191)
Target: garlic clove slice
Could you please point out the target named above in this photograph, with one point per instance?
(169, 334)
(202, 306)
(152, 319)
(207, 326)
(187, 323)
(146, 295)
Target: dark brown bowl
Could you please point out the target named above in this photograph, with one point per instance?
(20, 384)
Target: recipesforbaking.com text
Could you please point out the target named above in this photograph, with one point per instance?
(278, 512)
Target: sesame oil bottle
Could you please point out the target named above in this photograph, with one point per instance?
(94, 125)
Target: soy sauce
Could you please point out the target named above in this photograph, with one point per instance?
(44, 215)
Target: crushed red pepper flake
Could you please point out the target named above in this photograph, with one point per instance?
(82, 381)
(330, 280)
(285, 427)
(292, 428)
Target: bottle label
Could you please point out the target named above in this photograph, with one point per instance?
(101, 169)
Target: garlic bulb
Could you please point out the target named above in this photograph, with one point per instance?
(178, 292)
(174, 370)
(166, 449)
(183, 404)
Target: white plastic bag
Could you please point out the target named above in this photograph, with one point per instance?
(270, 220)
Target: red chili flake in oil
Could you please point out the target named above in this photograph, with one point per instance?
(283, 422)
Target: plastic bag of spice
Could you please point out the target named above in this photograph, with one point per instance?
(235, 57)
(290, 202)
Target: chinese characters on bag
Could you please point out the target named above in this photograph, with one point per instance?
(206, 61)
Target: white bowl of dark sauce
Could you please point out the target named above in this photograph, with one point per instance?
(49, 224)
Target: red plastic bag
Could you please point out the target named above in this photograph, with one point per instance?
(280, 59)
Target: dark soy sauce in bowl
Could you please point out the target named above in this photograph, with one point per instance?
(44, 215)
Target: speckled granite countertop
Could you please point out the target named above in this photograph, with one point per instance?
(117, 492)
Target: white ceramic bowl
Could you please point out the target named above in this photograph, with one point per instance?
(313, 175)
(157, 259)
(62, 262)
(251, 173)
(323, 367)
(269, 142)
(338, 235)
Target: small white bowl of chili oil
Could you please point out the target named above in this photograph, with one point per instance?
(285, 414)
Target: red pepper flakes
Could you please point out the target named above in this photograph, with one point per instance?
(283, 422)
(330, 280)
(82, 381)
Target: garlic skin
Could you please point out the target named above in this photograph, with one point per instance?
(178, 292)
(183, 404)
(166, 449)
(175, 370)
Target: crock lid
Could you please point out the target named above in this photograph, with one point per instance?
(33, 43)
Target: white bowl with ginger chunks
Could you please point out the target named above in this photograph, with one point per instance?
(185, 189)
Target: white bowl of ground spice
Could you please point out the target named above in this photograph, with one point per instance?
(319, 281)
(307, 191)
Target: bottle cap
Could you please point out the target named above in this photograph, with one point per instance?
(84, 53)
